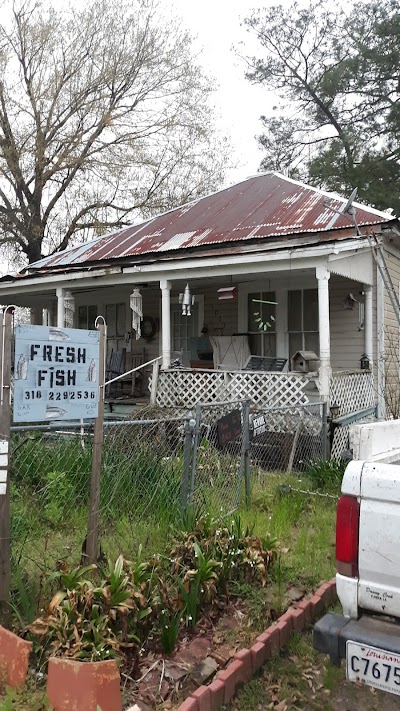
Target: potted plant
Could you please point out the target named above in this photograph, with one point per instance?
(85, 632)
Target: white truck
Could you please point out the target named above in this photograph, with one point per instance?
(367, 634)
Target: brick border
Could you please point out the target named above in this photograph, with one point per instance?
(247, 662)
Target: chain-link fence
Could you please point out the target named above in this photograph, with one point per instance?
(288, 438)
(219, 456)
(140, 483)
(152, 468)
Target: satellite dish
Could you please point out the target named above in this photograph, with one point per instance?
(349, 204)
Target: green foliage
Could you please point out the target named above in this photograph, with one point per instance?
(170, 625)
(238, 553)
(198, 587)
(89, 621)
(326, 474)
(24, 597)
(338, 122)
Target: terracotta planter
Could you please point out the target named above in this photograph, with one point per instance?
(83, 686)
(14, 658)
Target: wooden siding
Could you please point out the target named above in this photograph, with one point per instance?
(391, 338)
(347, 340)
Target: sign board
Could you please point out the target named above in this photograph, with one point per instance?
(229, 427)
(56, 374)
(259, 425)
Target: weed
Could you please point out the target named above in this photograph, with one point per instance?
(325, 474)
(170, 625)
(24, 597)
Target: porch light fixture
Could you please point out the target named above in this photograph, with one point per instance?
(226, 293)
(69, 308)
(136, 304)
(187, 301)
(364, 362)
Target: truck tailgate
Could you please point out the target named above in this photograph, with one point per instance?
(379, 539)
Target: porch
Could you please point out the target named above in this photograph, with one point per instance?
(277, 305)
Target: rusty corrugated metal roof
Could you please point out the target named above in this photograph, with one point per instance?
(264, 206)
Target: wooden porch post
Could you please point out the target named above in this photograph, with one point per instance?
(368, 344)
(165, 286)
(60, 307)
(323, 275)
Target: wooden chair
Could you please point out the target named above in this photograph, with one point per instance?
(115, 367)
(133, 360)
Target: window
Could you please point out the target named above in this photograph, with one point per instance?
(86, 317)
(303, 321)
(262, 341)
(184, 328)
(116, 327)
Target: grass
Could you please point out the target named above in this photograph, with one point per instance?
(28, 699)
(303, 524)
(140, 495)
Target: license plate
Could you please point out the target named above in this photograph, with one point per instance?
(374, 667)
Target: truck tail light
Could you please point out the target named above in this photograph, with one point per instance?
(347, 524)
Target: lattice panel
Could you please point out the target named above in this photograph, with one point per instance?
(269, 388)
(185, 388)
(352, 391)
(287, 420)
(340, 441)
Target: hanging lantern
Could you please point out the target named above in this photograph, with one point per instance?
(187, 301)
(69, 309)
(136, 304)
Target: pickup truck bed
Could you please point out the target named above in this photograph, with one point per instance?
(367, 635)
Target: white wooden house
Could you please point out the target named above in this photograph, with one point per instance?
(281, 251)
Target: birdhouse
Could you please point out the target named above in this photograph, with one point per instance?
(305, 362)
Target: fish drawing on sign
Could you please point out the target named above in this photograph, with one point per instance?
(56, 334)
(21, 371)
(92, 371)
(54, 413)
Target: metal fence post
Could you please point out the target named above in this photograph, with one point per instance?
(195, 448)
(187, 458)
(92, 536)
(324, 447)
(5, 422)
(246, 451)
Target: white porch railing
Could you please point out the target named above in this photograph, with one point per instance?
(185, 388)
(352, 390)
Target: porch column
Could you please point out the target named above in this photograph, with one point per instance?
(323, 275)
(368, 343)
(165, 286)
(60, 307)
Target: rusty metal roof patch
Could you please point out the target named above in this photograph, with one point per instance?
(264, 207)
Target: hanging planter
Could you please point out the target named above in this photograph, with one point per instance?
(76, 686)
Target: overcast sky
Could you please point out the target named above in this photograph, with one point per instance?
(217, 24)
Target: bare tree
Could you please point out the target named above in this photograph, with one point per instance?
(104, 115)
